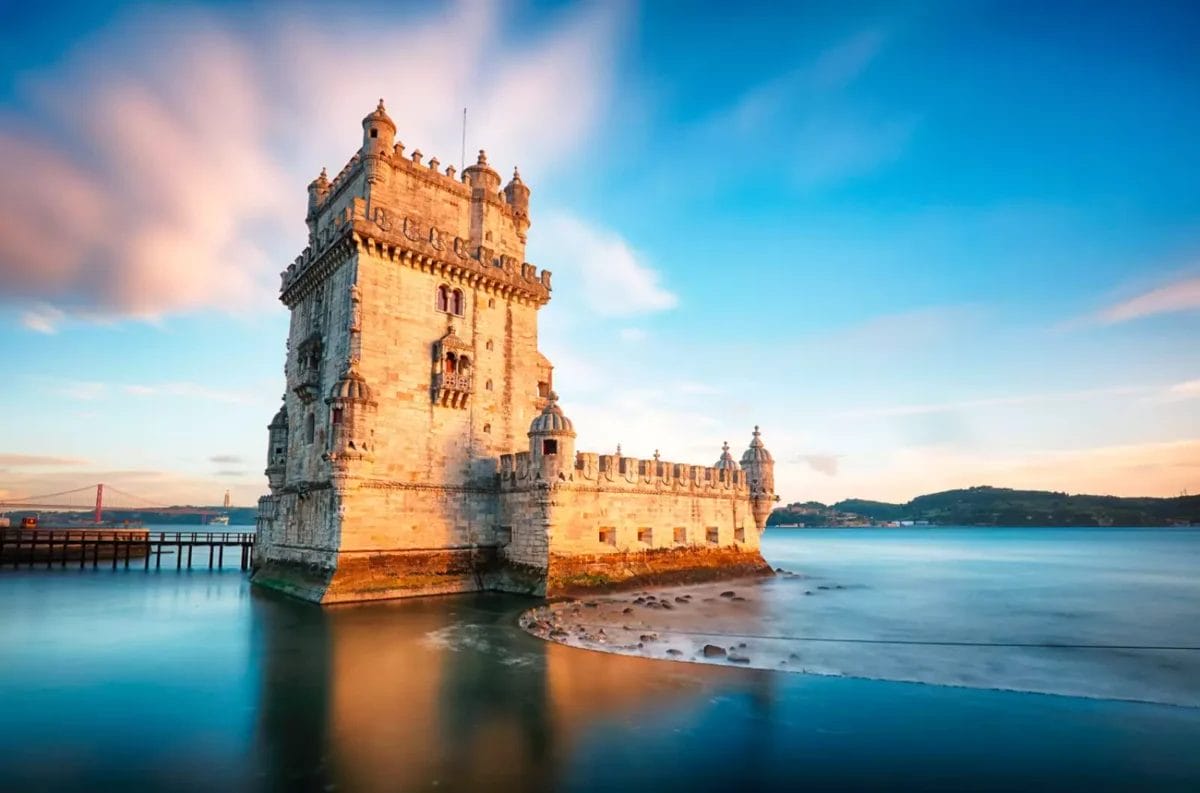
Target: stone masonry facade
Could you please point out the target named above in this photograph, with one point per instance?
(420, 448)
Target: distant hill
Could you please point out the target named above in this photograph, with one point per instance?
(999, 506)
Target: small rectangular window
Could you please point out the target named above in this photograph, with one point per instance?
(608, 535)
(337, 415)
(739, 534)
(713, 535)
(646, 536)
(549, 446)
(680, 535)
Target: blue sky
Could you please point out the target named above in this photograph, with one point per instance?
(924, 246)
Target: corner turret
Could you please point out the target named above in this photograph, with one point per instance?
(552, 441)
(318, 191)
(379, 135)
(517, 195)
(760, 476)
(349, 401)
(277, 449)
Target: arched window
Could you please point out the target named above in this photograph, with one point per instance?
(488, 386)
(457, 303)
(310, 428)
(489, 344)
(487, 427)
(337, 416)
(442, 301)
(451, 363)
(464, 364)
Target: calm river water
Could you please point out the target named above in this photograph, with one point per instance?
(129, 680)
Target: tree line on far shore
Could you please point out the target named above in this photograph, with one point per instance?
(997, 506)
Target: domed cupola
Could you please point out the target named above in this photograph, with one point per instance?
(379, 135)
(760, 476)
(756, 453)
(350, 402)
(350, 387)
(726, 463)
(378, 125)
(552, 442)
(552, 420)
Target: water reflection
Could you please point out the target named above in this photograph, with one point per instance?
(193, 682)
(444, 692)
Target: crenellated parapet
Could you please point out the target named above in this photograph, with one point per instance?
(628, 474)
(409, 241)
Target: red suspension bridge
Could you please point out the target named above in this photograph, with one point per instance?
(98, 499)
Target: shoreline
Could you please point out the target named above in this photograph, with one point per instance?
(726, 624)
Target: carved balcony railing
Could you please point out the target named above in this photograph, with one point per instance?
(452, 389)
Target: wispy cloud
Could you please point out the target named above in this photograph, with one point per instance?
(1181, 295)
(611, 277)
(998, 401)
(42, 319)
(631, 335)
(39, 461)
(188, 390)
(812, 114)
(176, 179)
(821, 463)
(1189, 389)
(226, 458)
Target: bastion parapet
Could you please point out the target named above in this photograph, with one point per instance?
(420, 447)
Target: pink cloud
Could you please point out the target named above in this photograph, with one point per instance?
(1182, 295)
(164, 165)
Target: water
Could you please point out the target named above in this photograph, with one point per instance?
(129, 680)
(1094, 589)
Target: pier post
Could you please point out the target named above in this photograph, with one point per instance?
(190, 546)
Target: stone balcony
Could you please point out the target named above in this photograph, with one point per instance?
(452, 389)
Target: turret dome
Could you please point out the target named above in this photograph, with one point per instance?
(378, 116)
(350, 387)
(757, 453)
(551, 421)
(726, 463)
(281, 419)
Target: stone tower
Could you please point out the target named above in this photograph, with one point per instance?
(760, 473)
(412, 365)
(420, 447)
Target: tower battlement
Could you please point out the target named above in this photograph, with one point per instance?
(628, 473)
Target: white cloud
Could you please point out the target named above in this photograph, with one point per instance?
(176, 180)
(42, 318)
(1189, 389)
(599, 266)
(631, 335)
(189, 391)
(1181, 295)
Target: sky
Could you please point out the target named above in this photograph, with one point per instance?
(923, 245)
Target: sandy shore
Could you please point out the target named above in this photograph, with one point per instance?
(719, 623)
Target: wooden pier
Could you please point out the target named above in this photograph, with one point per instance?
(83, 547)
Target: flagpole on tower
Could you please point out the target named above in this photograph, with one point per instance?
(462, 163)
